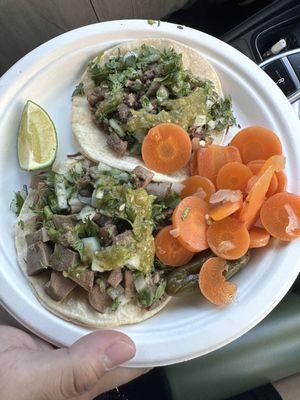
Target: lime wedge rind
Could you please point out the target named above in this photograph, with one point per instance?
(37, 139)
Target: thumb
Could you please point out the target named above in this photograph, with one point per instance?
(66, 373)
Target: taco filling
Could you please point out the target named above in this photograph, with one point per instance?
(147, 86)
(94, 229)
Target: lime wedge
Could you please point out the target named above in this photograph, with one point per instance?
(37, 140)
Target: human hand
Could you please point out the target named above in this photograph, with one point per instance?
(31, 369)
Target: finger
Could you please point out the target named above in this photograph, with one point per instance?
(67, 373)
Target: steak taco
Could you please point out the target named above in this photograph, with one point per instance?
(132, 87)
(85, 241)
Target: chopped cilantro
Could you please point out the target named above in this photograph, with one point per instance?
(115, 304)
(21, 224)
(18, 201)
(179, 27)
(79, 90)
(185, 213)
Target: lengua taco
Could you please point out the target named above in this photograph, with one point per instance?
(84, 240)
(134, 86)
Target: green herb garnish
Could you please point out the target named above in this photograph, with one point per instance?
(18, 201)
(79, 90)
(185, 213)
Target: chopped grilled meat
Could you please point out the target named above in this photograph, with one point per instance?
(38, 258)
(85, 186)
(63, 258)
(116, 144)
(115, 277)
(102, 220)
(107, 234)
(98, 299)
(40, 198)
(124, 238)
(123, 112)
(150, 73)
(40, 235)
(65, 222)
(156, 107)
(130, 291)
(142, 176)
(36, 179)
(130, 99)
(85, 279)
(58, 286)
(95, 95)
(159, 189)
(152, 89)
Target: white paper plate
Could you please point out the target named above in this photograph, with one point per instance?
(185, 328)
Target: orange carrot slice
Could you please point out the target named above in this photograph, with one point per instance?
(196, 184)
(212, 158)
(166, 148)
(234, 175)
(255, 168)
(256, 143)
(228, 238)
(222, 211)
(277, 162)
(280, 216)
(254, 200)
(193, 164)
(213, 284)
(189, 220)
(259, 237)
(168, 249)
(282, 181)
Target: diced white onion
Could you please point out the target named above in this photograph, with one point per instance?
(175, 232)
(224, 195)
(226, 245)
(294, 222)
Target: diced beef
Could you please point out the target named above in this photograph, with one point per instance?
(159, 189)
(65, 222)
(116, 144)
(95, 95)
(58, 286)
(63, 258)
(149, 74)
(40, 235)
(124, 238)
(130, 99)
(123, 112)
(115, 277)
(153, 88)
(36, 179)
(85, 279)
(142, 176)
(38, 258)
(102, 220)
(107, 233)
(40, 197)
(85, 186)
(98, 299)
(130, 291)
